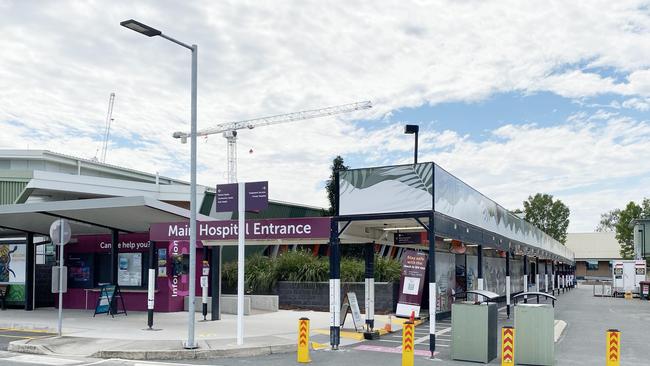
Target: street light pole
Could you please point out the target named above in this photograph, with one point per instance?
(151, 32)
(409, 130)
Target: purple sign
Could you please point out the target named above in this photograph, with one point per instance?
(227, 195)
(407, 238)
(414, 267)
(256, 197)
(308, 228)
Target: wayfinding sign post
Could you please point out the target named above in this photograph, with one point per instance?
(60, 234)
(253, 196)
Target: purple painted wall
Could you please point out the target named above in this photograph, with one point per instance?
(170, 291)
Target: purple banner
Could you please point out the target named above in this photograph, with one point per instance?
(269, 229)
(414, 267)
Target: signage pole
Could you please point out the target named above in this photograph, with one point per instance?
(241, 228)
(60, 323)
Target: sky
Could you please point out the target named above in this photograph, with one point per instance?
(513, 97)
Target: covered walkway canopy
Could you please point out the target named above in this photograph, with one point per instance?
(86, 217)
(90, 216)
(424, 197)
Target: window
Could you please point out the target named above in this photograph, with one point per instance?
(592, 265)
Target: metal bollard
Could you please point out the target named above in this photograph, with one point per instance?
(613, 347)
(303, 340)
(408, 333)
(507, 346)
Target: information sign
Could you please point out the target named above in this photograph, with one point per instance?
(414, 267)
(256, 196)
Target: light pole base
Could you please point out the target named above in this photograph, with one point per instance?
(188, 346)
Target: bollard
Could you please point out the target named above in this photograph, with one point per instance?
(507, 346)
(408, 356)
(613, 347)
(303, 340)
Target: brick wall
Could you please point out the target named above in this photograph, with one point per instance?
(315, 295)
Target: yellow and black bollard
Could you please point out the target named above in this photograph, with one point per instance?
(408, 354)
(613, 347)
(507, 346)
(303, 340)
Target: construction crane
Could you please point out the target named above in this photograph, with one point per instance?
(107, 130)
(229, 129)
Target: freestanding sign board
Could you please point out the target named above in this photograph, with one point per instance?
(240, 197)
(256, 196)
(226, 197)
(414, 267)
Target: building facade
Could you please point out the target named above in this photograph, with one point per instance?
(594, 253)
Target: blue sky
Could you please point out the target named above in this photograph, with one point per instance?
(512, 99)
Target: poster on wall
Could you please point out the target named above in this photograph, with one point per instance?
(162, 262)
(129, 269)
(414, 267)
(445, 280)
(80, 273)
(12, 263)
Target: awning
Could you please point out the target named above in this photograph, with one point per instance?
(90, 216)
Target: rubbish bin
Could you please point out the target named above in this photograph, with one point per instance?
(644, 291)
(535, 334)
(474, 329)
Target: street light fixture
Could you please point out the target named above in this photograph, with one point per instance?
(151, 32)
(410, 130)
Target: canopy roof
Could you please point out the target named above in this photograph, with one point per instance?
(90, 216)
(461, 212)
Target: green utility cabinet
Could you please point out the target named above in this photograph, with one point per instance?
(534, 334)
(474, 331)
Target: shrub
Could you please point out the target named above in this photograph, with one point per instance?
(262, 272)
(260, 275)
(301, 266)
(352, 270)
(387, 269)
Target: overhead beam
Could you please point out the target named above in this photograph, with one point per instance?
(85, 222)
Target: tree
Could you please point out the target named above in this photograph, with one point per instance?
(330, 186)
(550, 216)
(625, 233)
(608, 220)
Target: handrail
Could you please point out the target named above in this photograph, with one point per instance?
(534, 293)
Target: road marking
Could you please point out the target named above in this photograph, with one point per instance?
(15, 336)
(418, 352)
(438, 333)
(25, 330)
(42, 360)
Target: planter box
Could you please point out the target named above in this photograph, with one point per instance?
(315, 295)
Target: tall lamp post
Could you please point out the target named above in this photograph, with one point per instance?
(151, 32)
(410, 130)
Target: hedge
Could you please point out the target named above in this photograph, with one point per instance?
(262, 273)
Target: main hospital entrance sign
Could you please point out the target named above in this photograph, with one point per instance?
(309, 228)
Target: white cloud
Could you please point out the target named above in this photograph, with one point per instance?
(641, 104)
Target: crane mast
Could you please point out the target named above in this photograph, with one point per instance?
(107, 130)
(229, 129)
